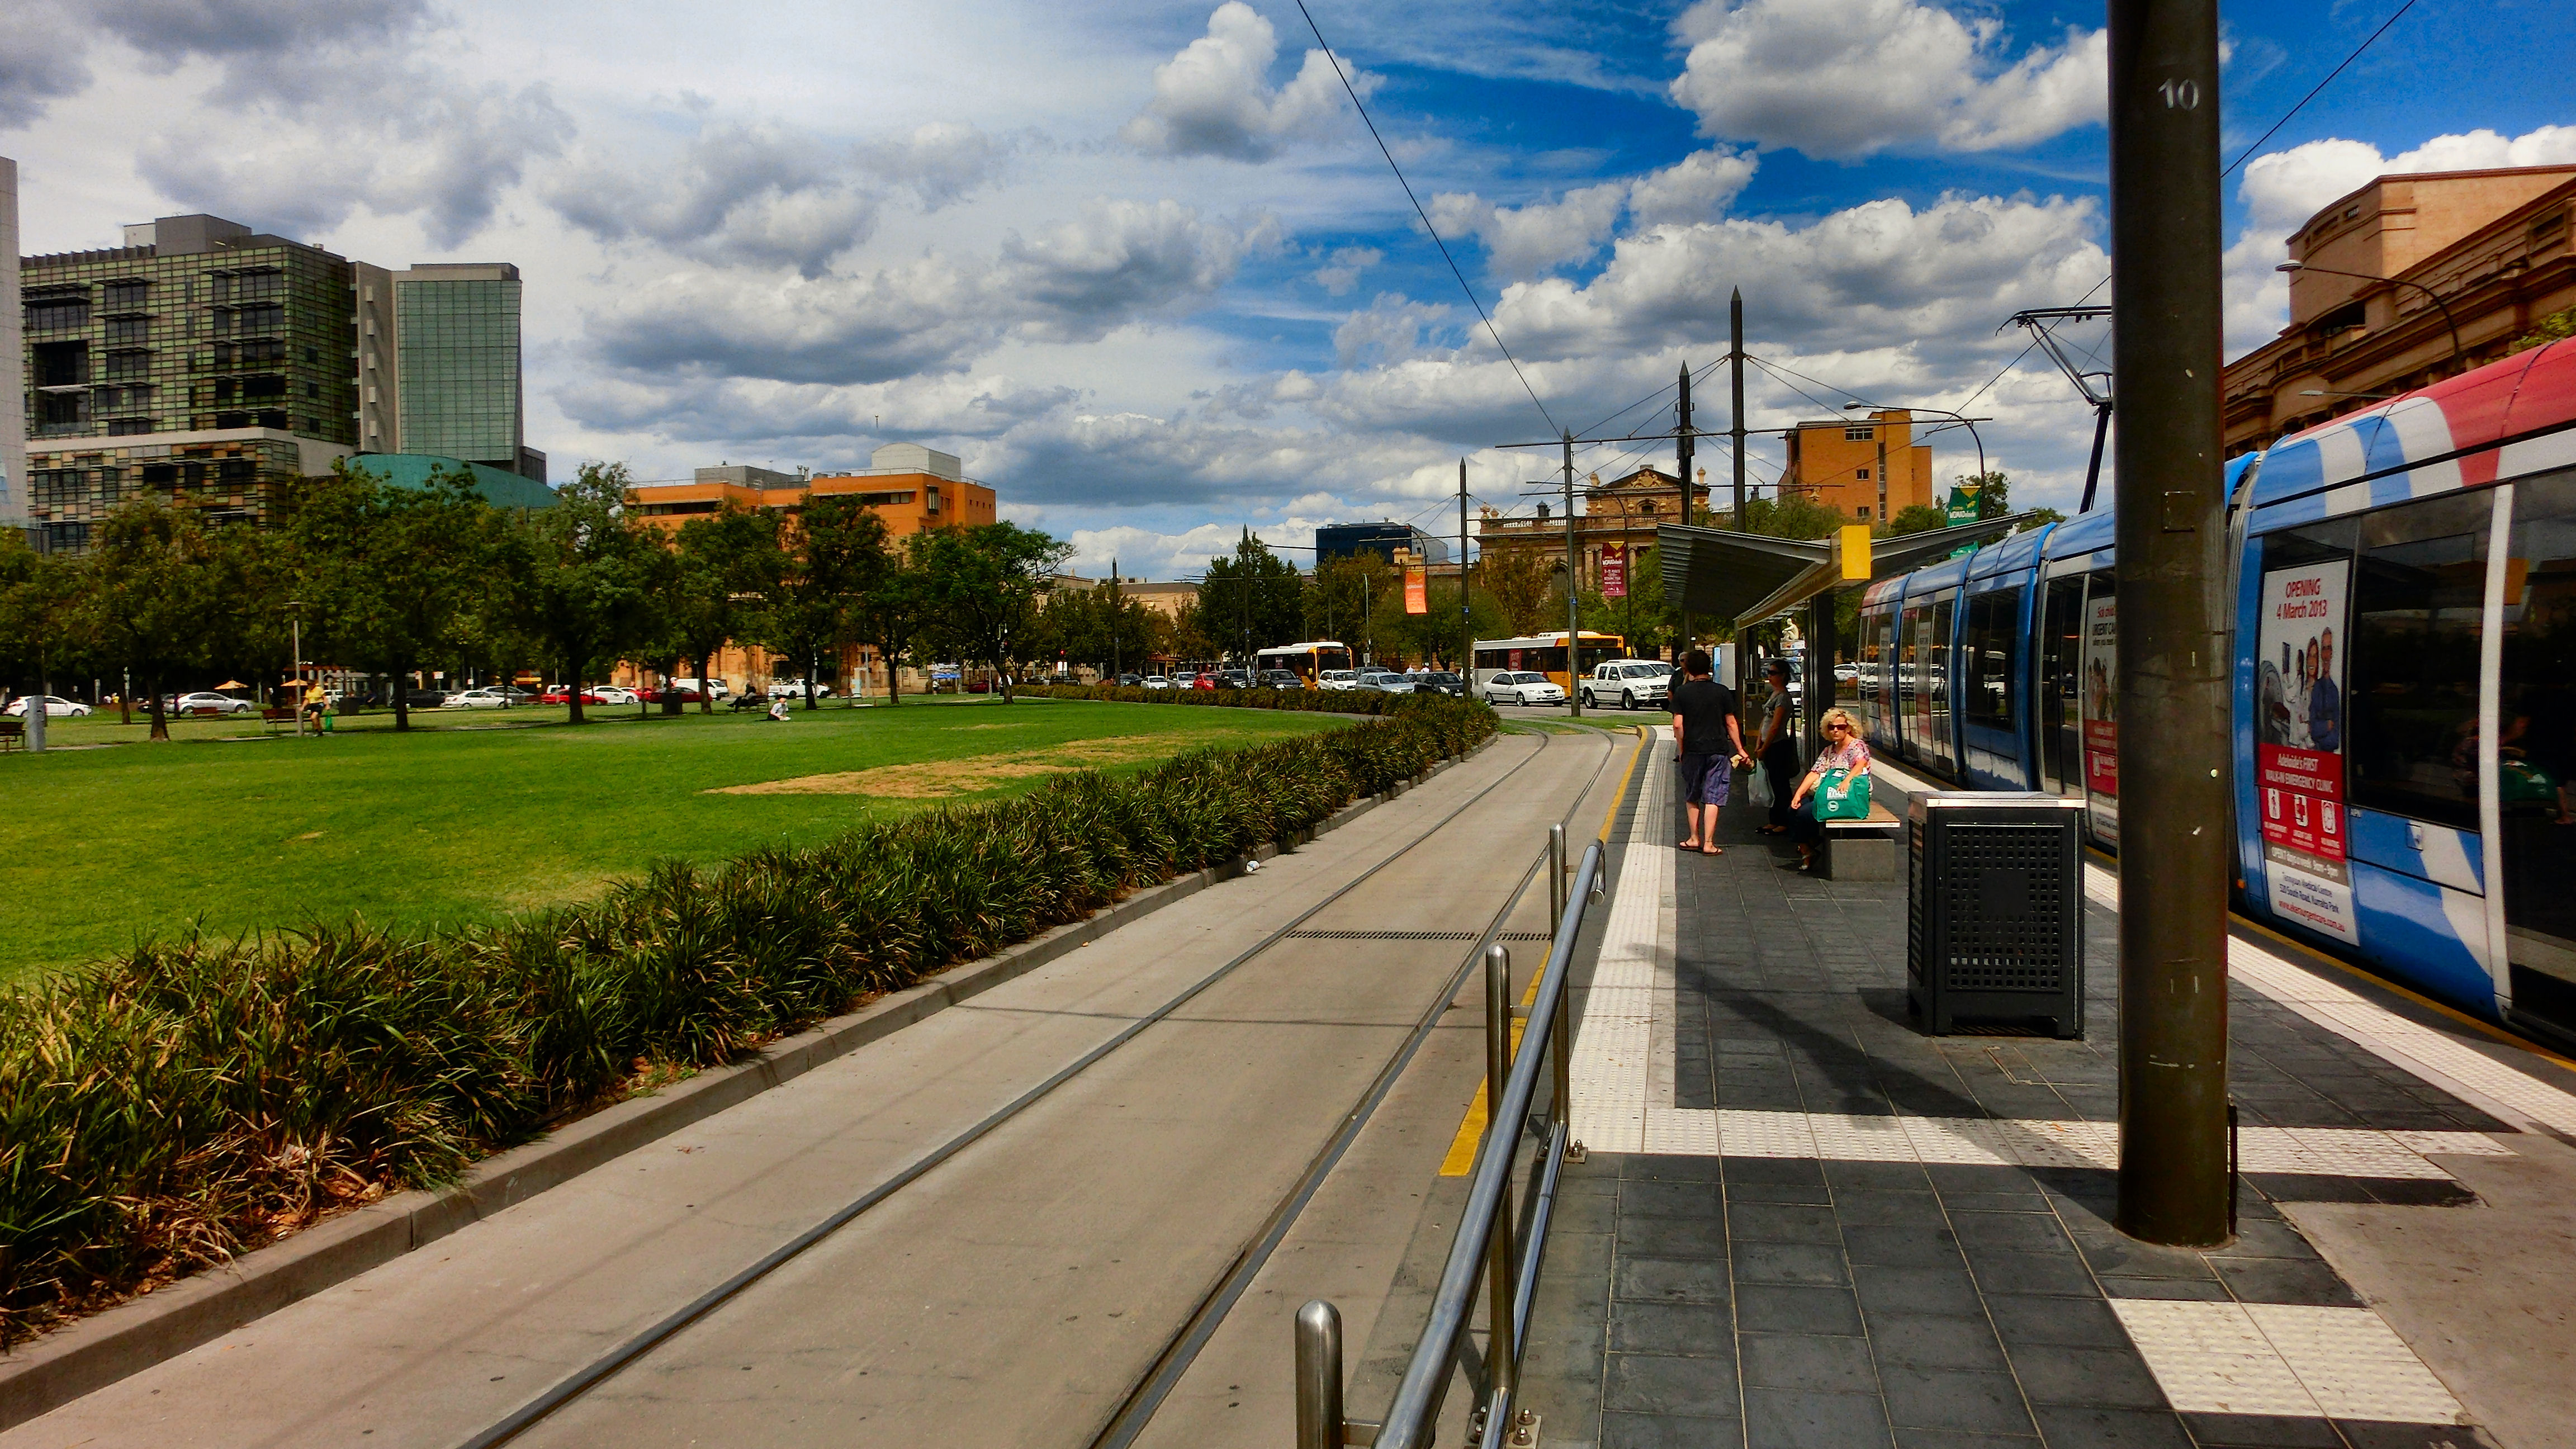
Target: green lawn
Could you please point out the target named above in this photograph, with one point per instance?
(482, 814)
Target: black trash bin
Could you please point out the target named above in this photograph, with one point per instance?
(1994, 924)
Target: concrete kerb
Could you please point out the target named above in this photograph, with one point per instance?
(98, 1351)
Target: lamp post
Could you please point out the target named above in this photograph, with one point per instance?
(1964, 420)
(2459, 357)
(295, 632)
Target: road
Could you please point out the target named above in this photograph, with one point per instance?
(1020, 1291)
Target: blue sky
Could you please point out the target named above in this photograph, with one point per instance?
(1143, 269)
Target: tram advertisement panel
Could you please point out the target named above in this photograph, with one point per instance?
(2102, 715)
(2298, 746)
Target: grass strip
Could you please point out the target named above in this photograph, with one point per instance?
(1325, 701)
(191, 1100)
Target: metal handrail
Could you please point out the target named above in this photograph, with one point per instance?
(1489, 1244)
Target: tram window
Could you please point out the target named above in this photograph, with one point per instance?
(1912, 640)
(1994, 653)
(1936, 679)
(2061, 710)
(2411, 700)
(2536, 747)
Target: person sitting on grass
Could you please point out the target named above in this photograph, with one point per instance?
(778, 710)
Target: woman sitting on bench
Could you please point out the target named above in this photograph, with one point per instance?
(1844, 750)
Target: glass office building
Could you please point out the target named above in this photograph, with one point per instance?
(457, 390)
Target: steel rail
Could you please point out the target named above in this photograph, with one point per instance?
(580, 1381)
(1149, 1393)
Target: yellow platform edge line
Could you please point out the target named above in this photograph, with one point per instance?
(1471, 1129)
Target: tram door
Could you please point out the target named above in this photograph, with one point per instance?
(2535, 767)
(1913, 705)
(2061, 675)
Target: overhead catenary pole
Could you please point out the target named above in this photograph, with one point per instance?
(1466, 622)
(2173, 660)
(1735, 356)
(1573, 595)
(1685, 449)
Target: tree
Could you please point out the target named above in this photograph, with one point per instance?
(988, 581)
(1341, 601)
(829, 559)
(1919, 518)
(1991, 489)
(1252, 600)
(1097, 626)
(391, 577)
(893, 604)
(1522, 582)
(578, 578)
(2040, 518)
(40, 597)
(720, 563)
(155, 598)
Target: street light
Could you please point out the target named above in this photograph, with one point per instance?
(2459, 358)
(1966, 421)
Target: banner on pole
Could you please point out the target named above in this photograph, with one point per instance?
(1614, 571)
(1417, 591)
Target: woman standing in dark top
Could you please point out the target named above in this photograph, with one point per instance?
(1778, 746)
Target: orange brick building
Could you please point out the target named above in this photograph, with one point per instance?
(913, 488)
(1867, 469)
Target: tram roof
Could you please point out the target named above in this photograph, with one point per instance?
(1748, 577)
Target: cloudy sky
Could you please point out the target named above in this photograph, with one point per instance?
(1142, 267)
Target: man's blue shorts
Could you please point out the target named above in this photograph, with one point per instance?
(1706, 779)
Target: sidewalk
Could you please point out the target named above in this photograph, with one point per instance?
(1806, 1223)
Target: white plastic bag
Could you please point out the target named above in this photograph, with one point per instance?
(1761, 786)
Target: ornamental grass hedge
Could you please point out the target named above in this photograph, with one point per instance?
(189, 1100)
(1325, 701)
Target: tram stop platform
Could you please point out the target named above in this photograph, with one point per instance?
(1803, 1222)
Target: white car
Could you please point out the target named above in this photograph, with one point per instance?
(56, 707)
(611, 694)
(1634, 683)
(1155, 681)
(1523, 688)
(210, 701)
(485, 698)
(1381, 681)
(777, 687)
(1338, 679)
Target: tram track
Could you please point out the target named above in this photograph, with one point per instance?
(1182, 1346)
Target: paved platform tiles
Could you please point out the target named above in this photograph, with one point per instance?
(1812, 1225)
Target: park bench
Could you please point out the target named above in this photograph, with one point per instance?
(1863, 849)
(13, 734)
(275, 717)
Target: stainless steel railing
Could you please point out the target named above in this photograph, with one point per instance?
(1503, 1248)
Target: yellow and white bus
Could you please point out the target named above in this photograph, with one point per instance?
(1307, 661)
(1545, 654)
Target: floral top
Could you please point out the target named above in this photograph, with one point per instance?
(1852, 754)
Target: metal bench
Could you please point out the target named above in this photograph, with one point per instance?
(1863, 849)
(13, 734)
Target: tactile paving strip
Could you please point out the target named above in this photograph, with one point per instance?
(2308, 1151)
(2392, 1037)
(2284, 1359)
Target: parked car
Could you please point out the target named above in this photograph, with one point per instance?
(1380, 681)
(670, 691)
(206, 701)
(716, 690)
(795, 687)
(1634, 683)
(1281, 679)
(1130, 681)
(1203, 681)
(1156, 681)
(1522, 688)
(486, 698)
(56, 707)
(1184, 679)
(1338, 679)
(1233, 679)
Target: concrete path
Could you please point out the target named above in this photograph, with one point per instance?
(1015, 1294)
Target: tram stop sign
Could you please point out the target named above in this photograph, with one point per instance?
(1963, 503)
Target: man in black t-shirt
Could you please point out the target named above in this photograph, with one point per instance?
(1705, 721)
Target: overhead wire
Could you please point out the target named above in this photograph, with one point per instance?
(1454, 269)
(2393, 18)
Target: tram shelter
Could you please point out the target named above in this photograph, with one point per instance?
(1753, 578)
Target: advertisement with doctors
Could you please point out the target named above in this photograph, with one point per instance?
(2102, 714)
(2298, 745)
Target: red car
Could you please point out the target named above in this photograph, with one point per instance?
(1204, 681)
(562, 694)
(683, 695)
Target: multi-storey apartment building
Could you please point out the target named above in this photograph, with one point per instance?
(206, 362)
(13, 400)
(1868, 469)
(201, 360)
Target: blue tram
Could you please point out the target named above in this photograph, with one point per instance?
(2405, 683)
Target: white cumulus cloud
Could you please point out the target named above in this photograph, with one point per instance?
(1849, 78)
(1215, 97)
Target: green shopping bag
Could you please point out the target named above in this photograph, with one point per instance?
(1842, 795)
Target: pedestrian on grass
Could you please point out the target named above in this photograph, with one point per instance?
(1844, 750)
(1708, 739)
(1778, 745)
(778, 710)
